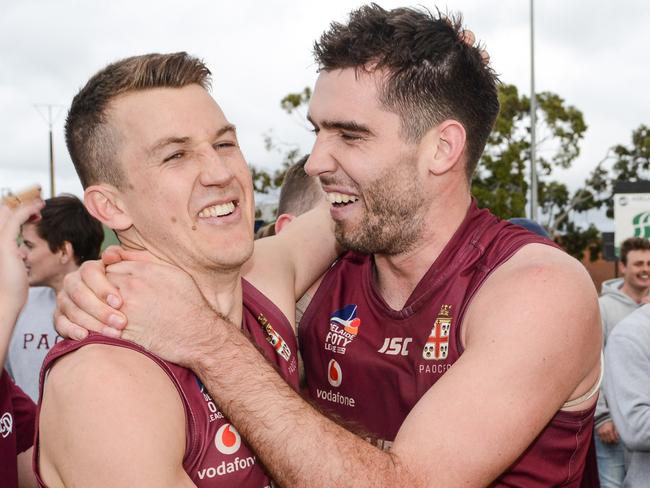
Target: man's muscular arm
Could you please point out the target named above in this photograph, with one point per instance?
(111, 417)
(532, 342)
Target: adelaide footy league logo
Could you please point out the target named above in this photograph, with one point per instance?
(334, 373)
(227, 439)
(344, 327)
(437, 345)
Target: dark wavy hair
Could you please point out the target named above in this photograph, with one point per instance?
(64, 218)
(432, 74)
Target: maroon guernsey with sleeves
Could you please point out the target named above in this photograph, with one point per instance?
(215, 454)
(369, 365)
(17, 414)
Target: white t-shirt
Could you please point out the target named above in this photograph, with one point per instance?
(33, 337)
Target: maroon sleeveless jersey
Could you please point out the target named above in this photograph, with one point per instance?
(369, 364)
(215, 454)
(17, 413)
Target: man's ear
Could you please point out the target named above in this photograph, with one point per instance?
(104, 203)
(66, 252)
(447, 145)
(282, 222)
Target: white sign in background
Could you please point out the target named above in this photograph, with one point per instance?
(631, 217)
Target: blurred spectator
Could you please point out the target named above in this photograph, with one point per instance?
(17, 410)
(66, 236)
(619, 298)
(299, 194)
(627, 386)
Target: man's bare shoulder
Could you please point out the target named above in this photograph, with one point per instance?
(542, 304)
(107, 407)
(538, 278)
(540, 265)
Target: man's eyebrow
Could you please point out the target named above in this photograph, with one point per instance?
(161, 144)
(225, 129)
(348, 125)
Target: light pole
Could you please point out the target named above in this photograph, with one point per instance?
(533, 107)
(49, 120)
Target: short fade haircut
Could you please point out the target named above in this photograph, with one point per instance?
(91, 141)
(64, 218)
(299, 192)
(432, 74)
(633, 244)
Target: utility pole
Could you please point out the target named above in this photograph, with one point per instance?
(533, 107)
(49, 120)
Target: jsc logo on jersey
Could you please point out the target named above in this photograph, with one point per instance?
(437, 345)
(344, 327)
(334, 373)
(227, 440)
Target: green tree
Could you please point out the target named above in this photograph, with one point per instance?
(289, 153)
(501, 181)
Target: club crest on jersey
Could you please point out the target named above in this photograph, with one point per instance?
(344, 327)
(437, 346)
(275, 339)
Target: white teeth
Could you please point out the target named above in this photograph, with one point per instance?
(334, 197)
(218, 210)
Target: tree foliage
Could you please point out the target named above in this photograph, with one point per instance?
(289, 153)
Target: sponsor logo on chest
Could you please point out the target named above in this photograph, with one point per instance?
(335, 378)
(228, 443)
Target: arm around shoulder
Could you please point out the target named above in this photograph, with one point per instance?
(111, 417)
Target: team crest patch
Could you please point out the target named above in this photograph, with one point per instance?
(275, 339)
(437, 345)
(344, 327)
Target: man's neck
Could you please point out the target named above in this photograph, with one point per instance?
(56, 283)
(634, 293)
(397, 276)
(222, 289)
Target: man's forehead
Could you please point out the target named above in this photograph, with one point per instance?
(639, 254)
(30, 230)
(349, 95)
(152, 118)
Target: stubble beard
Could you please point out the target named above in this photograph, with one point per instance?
(393, 220)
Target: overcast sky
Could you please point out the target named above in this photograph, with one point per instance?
(593, 54)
